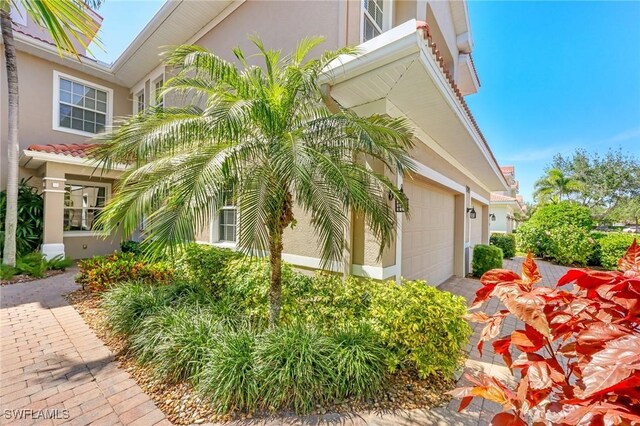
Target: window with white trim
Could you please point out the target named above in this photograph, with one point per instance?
(158, 99)
(81, 107)
(373, 23)
(83, 203)
(228, 220)
(140, 101)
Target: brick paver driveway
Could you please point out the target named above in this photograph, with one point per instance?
(53, 365)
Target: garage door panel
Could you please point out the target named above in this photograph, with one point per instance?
(428, 234)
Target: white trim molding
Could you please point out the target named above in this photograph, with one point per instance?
(438, 177)
(376, 272)
(480, 198)
(55, 121)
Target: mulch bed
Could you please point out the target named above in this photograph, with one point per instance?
(26, 278)
(183, 406)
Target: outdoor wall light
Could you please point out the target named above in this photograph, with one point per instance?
(493, 217)
(472, 212)
(399, 207)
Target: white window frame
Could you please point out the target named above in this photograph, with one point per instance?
(155, 90)
(387, 14)
(56, 104)
(89, 233)
(136, 102)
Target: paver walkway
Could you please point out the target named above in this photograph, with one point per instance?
(52, 364)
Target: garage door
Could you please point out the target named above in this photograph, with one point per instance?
(476, 225)
(427, 237)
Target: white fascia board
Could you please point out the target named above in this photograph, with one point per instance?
(438, 177)
(478, 197)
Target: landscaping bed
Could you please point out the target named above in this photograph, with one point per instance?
(198, 341)
(23, 278)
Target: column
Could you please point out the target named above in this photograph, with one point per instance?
(53, 191)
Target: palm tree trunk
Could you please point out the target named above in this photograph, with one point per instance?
(11, 218)
(275, 257)
(275, 291)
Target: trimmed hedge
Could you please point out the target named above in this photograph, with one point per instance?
(506, 242)
(486, 258)
(613, 246)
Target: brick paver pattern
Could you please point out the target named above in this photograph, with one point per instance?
(51, 360)
(53, 365)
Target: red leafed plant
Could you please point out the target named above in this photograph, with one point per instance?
(579, 349)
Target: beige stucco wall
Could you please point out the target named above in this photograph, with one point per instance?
(501, 223)
(476, 225)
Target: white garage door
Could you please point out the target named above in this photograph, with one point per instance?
(476, 225)
(427, 237)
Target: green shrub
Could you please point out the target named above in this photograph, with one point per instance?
(101, 272)
(570, 245)
(30, 219)
(420, 325)
(506, 242)
(33, 264)
(534, 234)
(595, 258)
(295, 368)
(128, 304)
(7, 272)
(485, 258)
(59, 263)
(131, 246)
(613, 246)
(358, 359)
(228, 376)
(206, 265)
(175, 340)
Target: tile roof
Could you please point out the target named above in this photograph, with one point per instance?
(500, 197)
(80, 150)
(507, 169)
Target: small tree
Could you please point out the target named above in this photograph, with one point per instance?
(265, 137)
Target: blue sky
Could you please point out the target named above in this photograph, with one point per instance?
(555, 76)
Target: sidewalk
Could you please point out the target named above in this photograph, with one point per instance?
(53, 365)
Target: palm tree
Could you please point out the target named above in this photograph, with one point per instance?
(265, 136)
(65, 20)
(555, 185)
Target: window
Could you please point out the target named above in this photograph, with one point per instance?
(83, 202)
(140, 101)
(80, 107)
(374, 19)
(227, 221)
(157, 89)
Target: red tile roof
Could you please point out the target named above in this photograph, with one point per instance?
(507, 169)
(500, 197)
(80, 150)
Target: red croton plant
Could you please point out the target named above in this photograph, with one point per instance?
(579, 361)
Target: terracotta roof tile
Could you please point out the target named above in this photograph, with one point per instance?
(500, 197)
(80, 150)
(507, 169)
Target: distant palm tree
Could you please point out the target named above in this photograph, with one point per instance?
(265, 136)
(65, 20)
(554, 186)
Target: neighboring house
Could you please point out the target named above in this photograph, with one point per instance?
(506, 205)
(415, 62)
